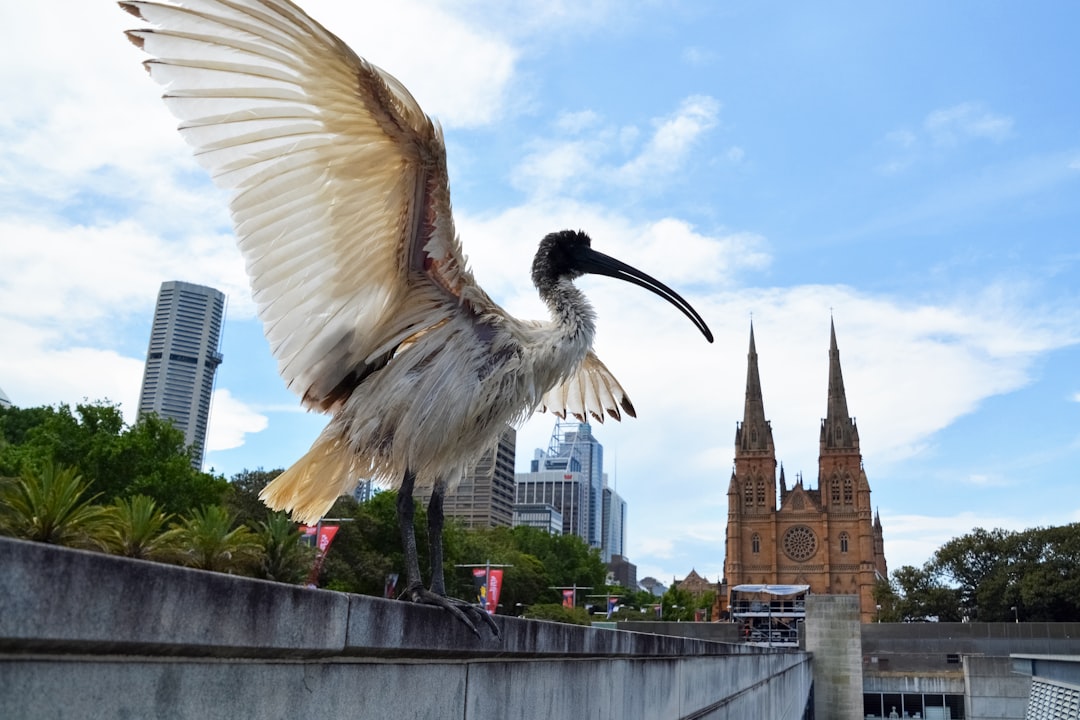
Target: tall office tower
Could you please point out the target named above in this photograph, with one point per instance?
(570, 476)
(485, 495)
(562, 490)
(614, 541)
(178, 381)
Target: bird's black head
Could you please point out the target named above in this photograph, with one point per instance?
(568, 254)
(560, 255)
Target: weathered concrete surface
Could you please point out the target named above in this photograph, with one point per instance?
(994, 691)
(84, 635)
(969, 659)
(726, 632)
(833, 635)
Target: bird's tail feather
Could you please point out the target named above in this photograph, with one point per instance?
(313, 483)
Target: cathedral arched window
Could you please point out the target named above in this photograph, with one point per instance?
(748, 494)
(835, 488)
(849, 491)
(760, 486)
(755, 543)
(843, 542)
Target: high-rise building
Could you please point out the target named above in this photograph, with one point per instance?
(485, 495)
(826, 537)
(614, 536)
(573, 456)
(178, 381)
(564, 490)
(540, 515)
(569, 476)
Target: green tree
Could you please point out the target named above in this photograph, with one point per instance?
(50, 505)
(678, 605)
(210, 540)
(979, 564)
(525, 578)
(557, 613)
(116, 460)
(1046, 576)
(284, 558)
(137, 529)
(368, 548)
(917, 594)
(242, 496)
(568, 559)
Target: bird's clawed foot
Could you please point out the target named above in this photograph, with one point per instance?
(467, 613)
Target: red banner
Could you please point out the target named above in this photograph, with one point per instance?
(494, 588)
(323, 535)
(488, 587)
(568, 598)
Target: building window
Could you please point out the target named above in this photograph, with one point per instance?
(755, 543)
(843, 542)
(913, 705)
(849, 491)
(835, 486)
(760, 492)
(748, 494)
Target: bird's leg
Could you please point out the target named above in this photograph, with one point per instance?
(414, 589)
(435, 528)
(405, 510)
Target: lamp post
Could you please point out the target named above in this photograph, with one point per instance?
(1016, 613)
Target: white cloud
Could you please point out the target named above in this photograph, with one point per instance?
(985, 480)
(230, 421)
(672, 140)
(951, 125)
(698, 56)
(575, 122)
(590, 158)
(943, 130)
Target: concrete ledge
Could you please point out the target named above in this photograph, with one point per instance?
(90, 635)
(57, 598)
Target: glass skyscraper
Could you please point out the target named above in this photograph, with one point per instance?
(178, 381)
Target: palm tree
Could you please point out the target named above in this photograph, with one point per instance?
(48, 505)
(285, 557)
(137, 530)
(208, 541)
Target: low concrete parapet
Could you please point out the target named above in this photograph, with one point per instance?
(84, 635)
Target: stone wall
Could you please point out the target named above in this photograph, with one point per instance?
(84, 635)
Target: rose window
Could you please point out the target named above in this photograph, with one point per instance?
(800, 543)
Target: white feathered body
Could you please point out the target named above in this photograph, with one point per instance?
(341, 206)
(437, 406)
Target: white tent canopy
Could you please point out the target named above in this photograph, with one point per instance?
(772, 589)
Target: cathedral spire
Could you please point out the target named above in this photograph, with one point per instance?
(837, 429)
(754, 433)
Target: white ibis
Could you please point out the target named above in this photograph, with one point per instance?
(341, 206)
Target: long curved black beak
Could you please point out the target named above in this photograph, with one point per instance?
(598, 263)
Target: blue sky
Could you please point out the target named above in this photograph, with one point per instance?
(912, 169)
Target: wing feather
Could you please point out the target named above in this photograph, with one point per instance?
(338, 182)
(591, 391)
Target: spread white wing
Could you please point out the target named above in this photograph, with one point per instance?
(339, 191)
(590, 392)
